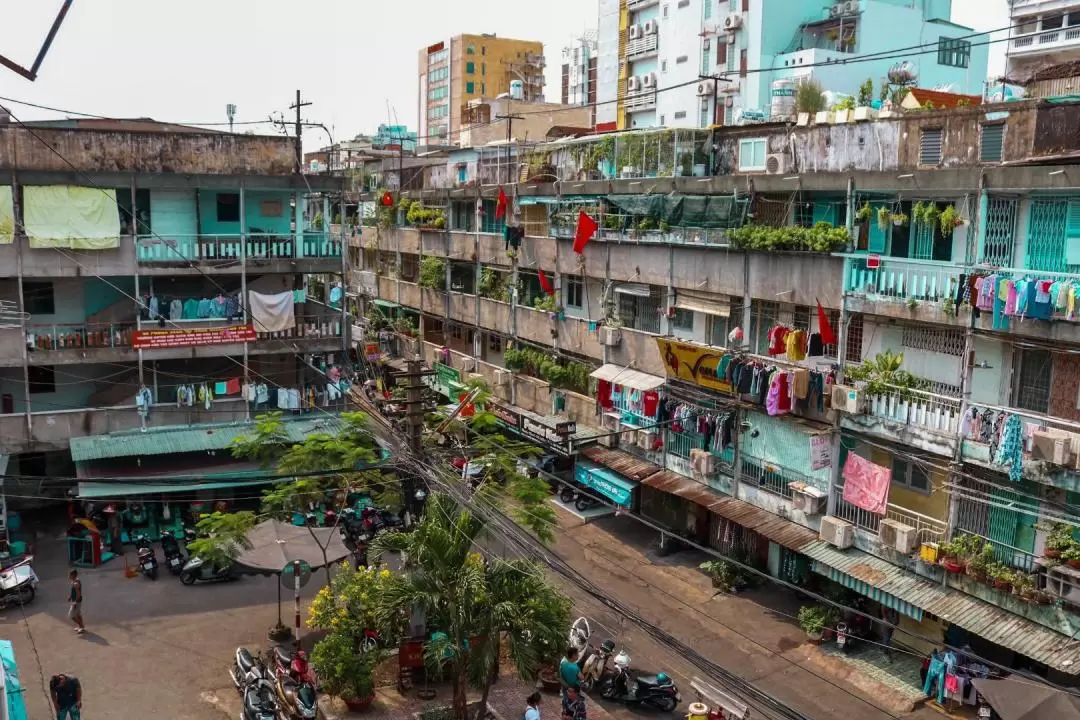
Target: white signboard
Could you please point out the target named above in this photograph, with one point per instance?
(820, 452)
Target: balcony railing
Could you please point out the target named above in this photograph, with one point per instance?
(933, 413)
(769, 478)
(182, 249)
(676, 236)
(307, 328)
(1045, 40)
(643, 100)
(641, 46)
(926, 528)
(901, 279)
(640, 4)
(78, 336)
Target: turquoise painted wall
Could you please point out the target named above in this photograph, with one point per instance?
(210, 225)
(782, 443)
(173, 213)
(99, 295)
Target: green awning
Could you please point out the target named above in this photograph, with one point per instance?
(106, 490)
(677, 210)
(386, 304)
(868, 590)
(183, 439)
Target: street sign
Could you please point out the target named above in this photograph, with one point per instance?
(292, 571)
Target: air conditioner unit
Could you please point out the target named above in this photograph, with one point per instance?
(846, 399)
(703, 462)
(897, 535)
(635, 32)
(502, 378)
(610, 336)
(851, 6)
(646, 440)
(705, 88)
(807, 499)
(610, 421)
(633, 83)
(650, 27)
(1062, 583)
(836, 10)
(732, 22)
(628, 435)
(1051, 445)
(649, 80)
(468, 364)
(730, 88)
(609, 441)
(777, 163)
(837, 532)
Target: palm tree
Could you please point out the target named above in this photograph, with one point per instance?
(472, 602)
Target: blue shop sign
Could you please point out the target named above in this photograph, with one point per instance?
(606, 483)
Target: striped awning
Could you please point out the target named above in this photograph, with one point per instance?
(868, 590)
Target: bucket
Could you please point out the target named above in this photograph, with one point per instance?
(698, 711)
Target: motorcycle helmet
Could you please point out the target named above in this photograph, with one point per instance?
(608, 646)
(622, 660)
(662, 679)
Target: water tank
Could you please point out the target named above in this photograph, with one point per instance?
(517, 90)
(783, 99)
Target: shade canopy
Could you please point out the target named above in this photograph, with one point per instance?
(1026, 700)
(633, 379)
(275, 544)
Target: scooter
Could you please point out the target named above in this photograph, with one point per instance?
(197, 570)
(147, 557)
(657, 691)
(375, 520)
(295, 683)
(174, 556)
(592, 660)
(18, 583)
(246, 669)
(288, 664)
(260, 701)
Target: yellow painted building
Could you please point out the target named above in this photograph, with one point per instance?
(469, 67)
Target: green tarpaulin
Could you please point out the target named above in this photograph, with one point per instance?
(677, 210)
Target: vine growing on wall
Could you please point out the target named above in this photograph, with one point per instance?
(433, 273)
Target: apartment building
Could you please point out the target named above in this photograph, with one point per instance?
(693, 63)
(926, 408)
(1044, 45)
(579, 68)
(137, 267)
(468, 67)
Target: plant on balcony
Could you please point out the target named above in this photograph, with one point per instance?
(646, 224)
(433, 273)
(864, 212)
(949, 220)
(899, 219)
(813, 619)
(809, 97)
(1071, 556)
(883, 375)
(613, 222)
(664, 227)
(866, 92)
(546, 303)
(1059, 539)
(494, 285)
(822, 237)
(405, 326)
(317, 221)
(884, 217)
(1001, 576)
(425, 217)
(845, 103)
(980, 561)
(1024, 586)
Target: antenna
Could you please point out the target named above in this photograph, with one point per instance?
(230, 112)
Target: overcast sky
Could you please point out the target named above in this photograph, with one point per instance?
(356, 60)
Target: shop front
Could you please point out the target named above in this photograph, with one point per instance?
(618, 490)
(556, 435)
(630, 402)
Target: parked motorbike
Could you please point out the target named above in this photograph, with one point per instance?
(174, 556)
(295, 683)
(592, 660)
(376, 520)
(370, 641)
(197, 570)
(18, 583)
(657, 691)
(246, 669)
(148, 563)
(856, 629)
(292, 665)
(260, 701)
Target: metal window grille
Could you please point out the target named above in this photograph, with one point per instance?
(640, 313)
(763, 316)
(1046, 234)
(1000, 221)
(719, 327)
(930, 146)
(800, 319)
(949, 341)
(683, 319)
(853, 346)
(1033, 388)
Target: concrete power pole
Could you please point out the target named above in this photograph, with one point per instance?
(298, 165)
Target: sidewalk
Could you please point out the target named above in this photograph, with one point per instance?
(752, 635)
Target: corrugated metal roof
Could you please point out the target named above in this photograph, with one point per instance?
(976, 616)
(182, 439)
(621, 462)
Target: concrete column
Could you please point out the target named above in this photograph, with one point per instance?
(243, 294)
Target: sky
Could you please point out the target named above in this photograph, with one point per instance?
(355, 60)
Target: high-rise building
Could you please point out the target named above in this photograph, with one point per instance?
(467, 67)
(692, 63)
(579, 60)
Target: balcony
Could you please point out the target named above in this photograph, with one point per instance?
(66, 343)
(184, 250)
(308, 327)
(926, 528)
(902, 288)
(642, 47)
(922, 420)
(644, 100)
(1052, 459)
(1037, 43)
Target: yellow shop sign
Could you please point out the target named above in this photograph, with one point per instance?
(692, 363)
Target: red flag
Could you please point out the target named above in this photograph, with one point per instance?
(586, 228)
(544, 284)
(500, 205)
(828, 337)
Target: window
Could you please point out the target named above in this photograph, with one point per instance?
(991, 142)
(833, 316)
(684, 3)
(706, 61)
(930, 146)
(270, 208)
(910, 475)
(495, 343)
(438, 75)
(679, 115)
(228, 207)
(38, 298)
(853, 342)
(681, 59)
(800, 318)
(721, 54)
(42, 379)
(752, 155)
(483, 49)
(683, 320)
(639, 312)
(663, 68)
(665, 10)
(1051, 22)
(471, 50)
(469, 88)
(483, 68)
(663, 119)
(763, 316)
(483, 88)
(575, 291)
(410, 267)
(743, 69)
(1033, 386)
(956, 53)
(470, 67)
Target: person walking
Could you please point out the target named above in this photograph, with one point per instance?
(66, 694)
(573, 704)
(75, 598)
(532, 707)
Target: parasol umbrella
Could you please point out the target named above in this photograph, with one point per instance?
(1025, 700)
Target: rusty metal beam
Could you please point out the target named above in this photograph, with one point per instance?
(31, 74)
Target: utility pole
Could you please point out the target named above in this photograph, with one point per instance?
(509, 118)
(298, 165)
(413, 490)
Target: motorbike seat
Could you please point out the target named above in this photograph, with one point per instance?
(652, 681)
(244, 660)
(284, 657)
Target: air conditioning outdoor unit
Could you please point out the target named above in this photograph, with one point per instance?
(729, 88)
(635, 32)
(502, 378)
(777, 163)
(846, 399)
(705, 88)
(628, 435)
(807, 499)
(703, 462)
(1062, 582)
(610, 336)
(1051, 445)
(837, 532)
(851, 6)
(897, 535)
(732, 22)
(468, 364)
(650, 27)
(610, 421)
(646, 440)
(609, 441)
(649, 80)
(633, 84)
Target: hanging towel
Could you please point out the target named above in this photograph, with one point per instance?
(220, 388)
(231, 387)
(866, 484)
(272, 313)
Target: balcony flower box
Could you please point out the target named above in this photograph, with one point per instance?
(952, 566)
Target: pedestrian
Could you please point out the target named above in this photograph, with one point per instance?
(569, 672)
(891, 619)
(532, 707)
(75, 598)
(66, 694)
(573, 704)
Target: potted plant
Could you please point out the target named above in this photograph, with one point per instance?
(720, 573)
(1071, 556)
(1059, 540)
(949, 220)
(813, 619)
(884, 217)
(1024, 585)
(1001, 576)
(899, 219)
(343, 671)
(863, 213)
(980, 562)
(952, 556)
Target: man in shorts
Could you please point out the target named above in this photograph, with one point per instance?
(75, 601)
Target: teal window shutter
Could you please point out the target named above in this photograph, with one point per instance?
(1072, 233)
(470, 68)
(825, 212)
(878, 237)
